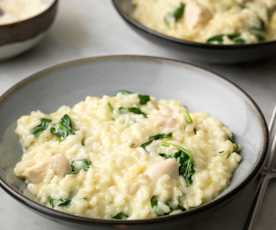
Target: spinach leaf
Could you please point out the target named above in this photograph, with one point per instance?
(155, 206)
(120, 216)
(175, 15)
(44, 123)
(232, 138)
(78, 165)
(188, 116)
(219, 39)
(237, 147)
(124, 92)
(134, 110)
(110, 107)
(185, 160)
(261, 27)
(236, 38)
(156, 137)
(154, 201)
(64, 128)
(61, 202)
(143, 99)
(259, 30)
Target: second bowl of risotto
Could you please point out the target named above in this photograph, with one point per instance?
(227, 31)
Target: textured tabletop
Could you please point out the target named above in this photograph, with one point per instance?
(90, 28)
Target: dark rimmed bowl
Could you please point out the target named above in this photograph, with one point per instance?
(199, 52)
(20, 36)
(71, 82)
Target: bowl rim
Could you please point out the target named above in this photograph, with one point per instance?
(29, 19)
(86, 220)
(130, 20)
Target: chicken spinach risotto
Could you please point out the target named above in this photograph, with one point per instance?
(210, 21)
(128, 156)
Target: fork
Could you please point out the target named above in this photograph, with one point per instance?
(268, 173)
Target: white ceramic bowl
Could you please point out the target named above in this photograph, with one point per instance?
(20, 36)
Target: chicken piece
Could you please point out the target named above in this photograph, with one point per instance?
(196, 15)
(60, 164)
(168, 166)
(35, 174)
(164, 118)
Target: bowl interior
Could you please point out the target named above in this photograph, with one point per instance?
(69, 83)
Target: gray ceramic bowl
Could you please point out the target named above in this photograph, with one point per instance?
(197, 88)
(222, 54)
(20, 36)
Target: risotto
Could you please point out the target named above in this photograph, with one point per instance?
(12, 11)
(128, 156)
(210, 21)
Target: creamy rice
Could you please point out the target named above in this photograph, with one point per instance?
(17, 10)
(211, 21)
(127, 156)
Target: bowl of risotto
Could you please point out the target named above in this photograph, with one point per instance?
(227, 31)
(23, 24)
(96, 142)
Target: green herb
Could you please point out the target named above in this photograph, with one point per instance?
(83, 141)
(120, 216)
(154, 201)
(259, 30)
(61, 202)
(236, 38)
(64, 128)
(134, 110)
(175, 15)
(232, 138)
(237, 148)
(184, 158)
(110, 107)
(44, 123)
(78, 165)
(143, 99)
(219, 39)
(156, 137)
(154, 205)
(188, 116)
(124, 92)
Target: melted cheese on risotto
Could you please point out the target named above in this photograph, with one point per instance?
(211, 21)
(128, 156)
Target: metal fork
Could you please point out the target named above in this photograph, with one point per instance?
(267, 174)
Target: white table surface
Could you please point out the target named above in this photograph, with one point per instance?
(86, 28)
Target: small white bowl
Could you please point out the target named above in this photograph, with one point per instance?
(20, 36)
